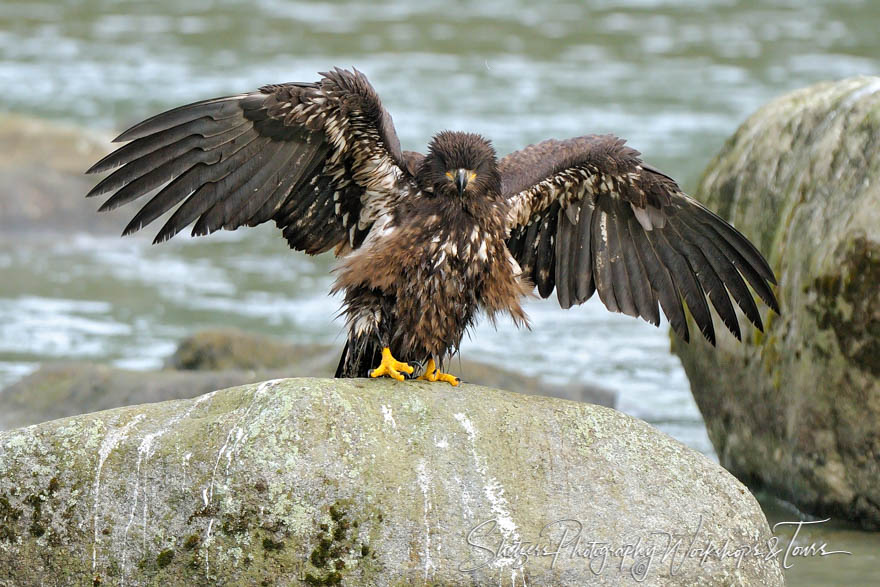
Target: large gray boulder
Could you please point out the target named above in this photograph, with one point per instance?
(797, 410)
(368, 482)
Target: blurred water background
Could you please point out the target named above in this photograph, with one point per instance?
(675, 78)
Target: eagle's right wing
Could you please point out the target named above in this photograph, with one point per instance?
(320, 159)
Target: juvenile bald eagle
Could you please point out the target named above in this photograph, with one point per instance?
(427, 241)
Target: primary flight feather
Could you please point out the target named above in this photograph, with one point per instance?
(427, 241)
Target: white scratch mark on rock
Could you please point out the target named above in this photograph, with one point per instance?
(493, 490)
(208, 540)
(113, 438)
(495, 495)
(145, 451)
(239, 434)
(465, 496)
(235, 435)
(466, 424)
(186, 457)
(389, 417)
(424, 478)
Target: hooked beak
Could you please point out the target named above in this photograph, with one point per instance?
(461, 180)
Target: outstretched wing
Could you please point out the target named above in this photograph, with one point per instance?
(320, 159)
(586, 214)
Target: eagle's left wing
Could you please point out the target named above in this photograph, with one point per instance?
(586, 214)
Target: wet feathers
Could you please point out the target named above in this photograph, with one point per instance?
(421, 255)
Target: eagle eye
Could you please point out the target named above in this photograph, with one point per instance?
(471, 175)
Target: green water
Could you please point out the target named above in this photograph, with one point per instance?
(674, 78)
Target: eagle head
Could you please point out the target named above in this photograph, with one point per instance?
(460, 165)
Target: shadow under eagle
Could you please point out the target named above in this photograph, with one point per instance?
(427, 241)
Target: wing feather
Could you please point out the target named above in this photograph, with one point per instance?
(643, 292)
(708, 278)
(583, 263)
(683, 276)
(662, 283)
(192, 149)
(242, 185)
(204, 127)
(564, 237)
(601, 267)
(216, 108)
(619, 274)
(545, 253)
(194, 206)
(738, 256)
(530, 249)
(644, 304)
(306, 167)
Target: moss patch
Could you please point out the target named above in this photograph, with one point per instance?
(336, 542)
(270, 544)
(165, 557)
(192, 541)
(8, 519)
(847, 303)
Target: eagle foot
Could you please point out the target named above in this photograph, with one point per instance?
(391, 367)
(432, 373)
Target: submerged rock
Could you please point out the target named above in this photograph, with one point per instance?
(214, 359)
(41, 178)
(235, 349)
(58, 390)
(796, 411)
(230, 348)
(368, 482)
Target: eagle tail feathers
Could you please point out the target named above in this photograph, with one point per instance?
(360, 355)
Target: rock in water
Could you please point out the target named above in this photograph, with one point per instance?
(214, 359)
(797, 410)
(42, 181)
(230, 348)
(368, 482)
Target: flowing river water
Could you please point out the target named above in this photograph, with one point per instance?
(674, 78)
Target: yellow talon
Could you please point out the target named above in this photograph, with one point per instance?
(432, 373)
(390, 366)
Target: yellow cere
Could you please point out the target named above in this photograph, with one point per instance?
(449, 174)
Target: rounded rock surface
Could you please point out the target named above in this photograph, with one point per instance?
(369, 482)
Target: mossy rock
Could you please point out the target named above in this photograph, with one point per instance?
(796, 411)
(363, 482)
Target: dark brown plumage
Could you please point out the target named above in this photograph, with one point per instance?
(427, 241)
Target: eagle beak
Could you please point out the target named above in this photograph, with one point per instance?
(461, 180)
